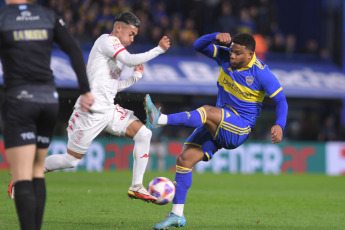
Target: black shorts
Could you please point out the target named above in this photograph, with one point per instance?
(29, 115)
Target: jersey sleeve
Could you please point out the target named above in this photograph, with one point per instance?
(274, 90)
(205, 46)
(270, 83)
(111, 46)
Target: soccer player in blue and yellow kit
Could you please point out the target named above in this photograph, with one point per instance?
(242, 84)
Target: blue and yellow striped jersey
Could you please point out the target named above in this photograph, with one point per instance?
(243, 89)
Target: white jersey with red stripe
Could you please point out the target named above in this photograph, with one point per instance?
(104, 69)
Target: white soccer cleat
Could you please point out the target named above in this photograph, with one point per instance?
(141, 193)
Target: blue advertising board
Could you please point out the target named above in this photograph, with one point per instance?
(198, 75)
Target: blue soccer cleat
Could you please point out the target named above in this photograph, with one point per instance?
(152, 113)
(172, 221)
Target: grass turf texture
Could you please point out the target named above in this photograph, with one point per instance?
(82, 200)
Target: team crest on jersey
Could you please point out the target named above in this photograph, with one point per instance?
(249, 80)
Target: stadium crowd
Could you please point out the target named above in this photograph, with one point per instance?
(182, 21)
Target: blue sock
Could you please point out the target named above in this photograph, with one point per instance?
(183, 181)
(188, 119)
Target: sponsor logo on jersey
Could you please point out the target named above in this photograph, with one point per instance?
(236, 89)
(30, 35)
(24, 95)
(249, 80)
(27, 16)
(117, 45)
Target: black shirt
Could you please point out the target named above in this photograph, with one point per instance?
(27, 32)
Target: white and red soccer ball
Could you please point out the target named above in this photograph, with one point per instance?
(163, 189)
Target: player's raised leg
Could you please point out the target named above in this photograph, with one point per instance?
(208, 115)
(154, 118)
(142, 137)
(62, 161)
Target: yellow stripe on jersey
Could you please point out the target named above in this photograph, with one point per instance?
(207, 155)
(181, 169)
(235, 130)
(203, 114)
(232, 128)
(190, 143)
(220, 124)
(236, 127)
(233, 110)
(215, 51)
(239, 91)
(259, 65)
(276, 92)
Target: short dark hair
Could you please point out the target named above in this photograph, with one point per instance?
(128, 18)
(246, 40)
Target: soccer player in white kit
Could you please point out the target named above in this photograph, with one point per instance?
(104, 67)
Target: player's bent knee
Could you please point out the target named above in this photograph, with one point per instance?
(143, 134)
(189, 157)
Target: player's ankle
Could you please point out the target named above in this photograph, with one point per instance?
(137, 185)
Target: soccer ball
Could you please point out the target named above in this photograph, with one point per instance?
(163, 189)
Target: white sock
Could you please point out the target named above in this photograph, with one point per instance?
(163, 119)
(60, 161)
(141, 154)
(178, 209)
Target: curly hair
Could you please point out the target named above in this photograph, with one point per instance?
(246, 40)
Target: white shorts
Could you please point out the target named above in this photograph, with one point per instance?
(83, 127)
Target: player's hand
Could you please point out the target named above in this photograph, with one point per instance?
(164, 43)
(224, 38)
(276, 134)
(86, 101)
(139, 68)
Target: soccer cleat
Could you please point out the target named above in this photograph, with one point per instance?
(152, 113)
(141, 193)
(11, 190)
(171, 220)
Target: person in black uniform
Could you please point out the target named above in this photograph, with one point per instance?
(30, 104)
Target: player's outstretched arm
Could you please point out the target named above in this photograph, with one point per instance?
(137, 75)
(136, 59)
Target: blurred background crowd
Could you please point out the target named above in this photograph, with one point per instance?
(183, 21)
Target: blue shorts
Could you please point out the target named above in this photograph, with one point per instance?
(231, 133)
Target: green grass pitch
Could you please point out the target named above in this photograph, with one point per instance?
(82, 200)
